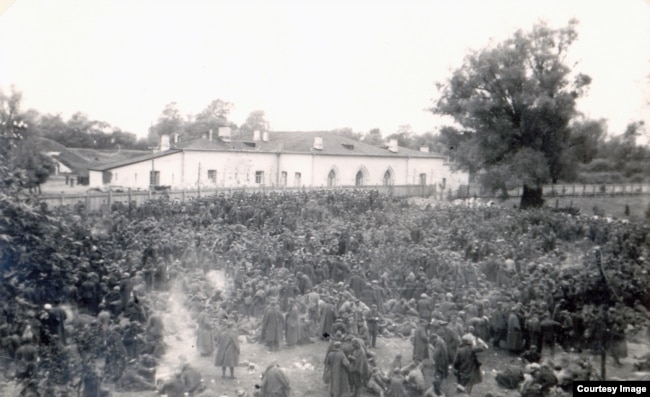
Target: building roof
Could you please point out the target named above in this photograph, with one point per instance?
(289, 142)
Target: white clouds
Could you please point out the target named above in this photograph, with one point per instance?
(308, 65)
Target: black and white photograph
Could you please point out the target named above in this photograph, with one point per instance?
(283, 198)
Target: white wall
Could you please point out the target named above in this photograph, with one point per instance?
(435, 170)
(235, 169)
(292, 163)
(348, 166)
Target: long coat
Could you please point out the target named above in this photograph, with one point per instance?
(440, 358)
(204, 338)
(467, 366)
(337, 365)
(327, 318)
(292, 326)
(420, 344)
(515, 340)
(272, 325)
(275, 383)
(359, 366)
(228, 350)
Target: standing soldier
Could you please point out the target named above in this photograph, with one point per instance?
(272, 326)
(228, 350)
(359, 369)
(372, 321)
(336, 371)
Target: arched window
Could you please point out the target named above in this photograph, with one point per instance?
(358, 181)
(388, 178)
(331, 178)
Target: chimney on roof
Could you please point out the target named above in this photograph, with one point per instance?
(265, 136)
(318, 143)
(224, 134)
(424, 148)
(210, 135)
(392, 146)
(164, 143)
(256, 135)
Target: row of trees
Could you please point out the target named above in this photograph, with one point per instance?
(514, 112)
(516, 122)
(192, 126)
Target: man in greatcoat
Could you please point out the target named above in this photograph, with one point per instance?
(227, 351)
(327, 318)
(420, 342)
(467, 368)
(292, 324)
(372, 322)
(514, 339)
(336, 371)
(272, 326)
(359, 368)
(440, 359)
(275, 382)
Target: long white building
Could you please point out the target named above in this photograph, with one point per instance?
(291, 159)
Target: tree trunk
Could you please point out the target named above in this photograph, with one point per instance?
(531, 197)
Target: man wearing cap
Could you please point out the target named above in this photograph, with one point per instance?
(272, 326)
(440, 358)
(336, 371)
(227, 351)
(53, 320)
(327, 319)
(372, 321)
(275, 382)
(425, 308)
(420, 342)
(359, 369)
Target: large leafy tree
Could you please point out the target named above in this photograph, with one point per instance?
(256, 121)
(513, 104)
(214, 115)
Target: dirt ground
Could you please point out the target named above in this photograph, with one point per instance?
(304, 367)
(307, 382)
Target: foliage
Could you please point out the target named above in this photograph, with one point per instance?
(514, 103)
(256, 121)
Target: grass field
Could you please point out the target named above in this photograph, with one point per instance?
(611, 206)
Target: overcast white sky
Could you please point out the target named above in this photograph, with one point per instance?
(310, 65)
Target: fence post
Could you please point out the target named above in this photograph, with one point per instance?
(183, 195)
(110, 198)
(129, 196)
(87, 204)
(61, 198)
(574, 190)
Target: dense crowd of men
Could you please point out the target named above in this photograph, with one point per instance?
(346, 269)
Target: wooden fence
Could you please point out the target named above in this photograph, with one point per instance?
(564, 190)
(99, 201)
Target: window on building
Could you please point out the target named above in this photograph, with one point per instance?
(154, 178)
(115, 175)
(331, 178)
(106, 177)
(423, 179)
(212, 176)
(283, 179)
(359, 179)
(388, 178)
(297, 179)
(443, 185)
(259, 176)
